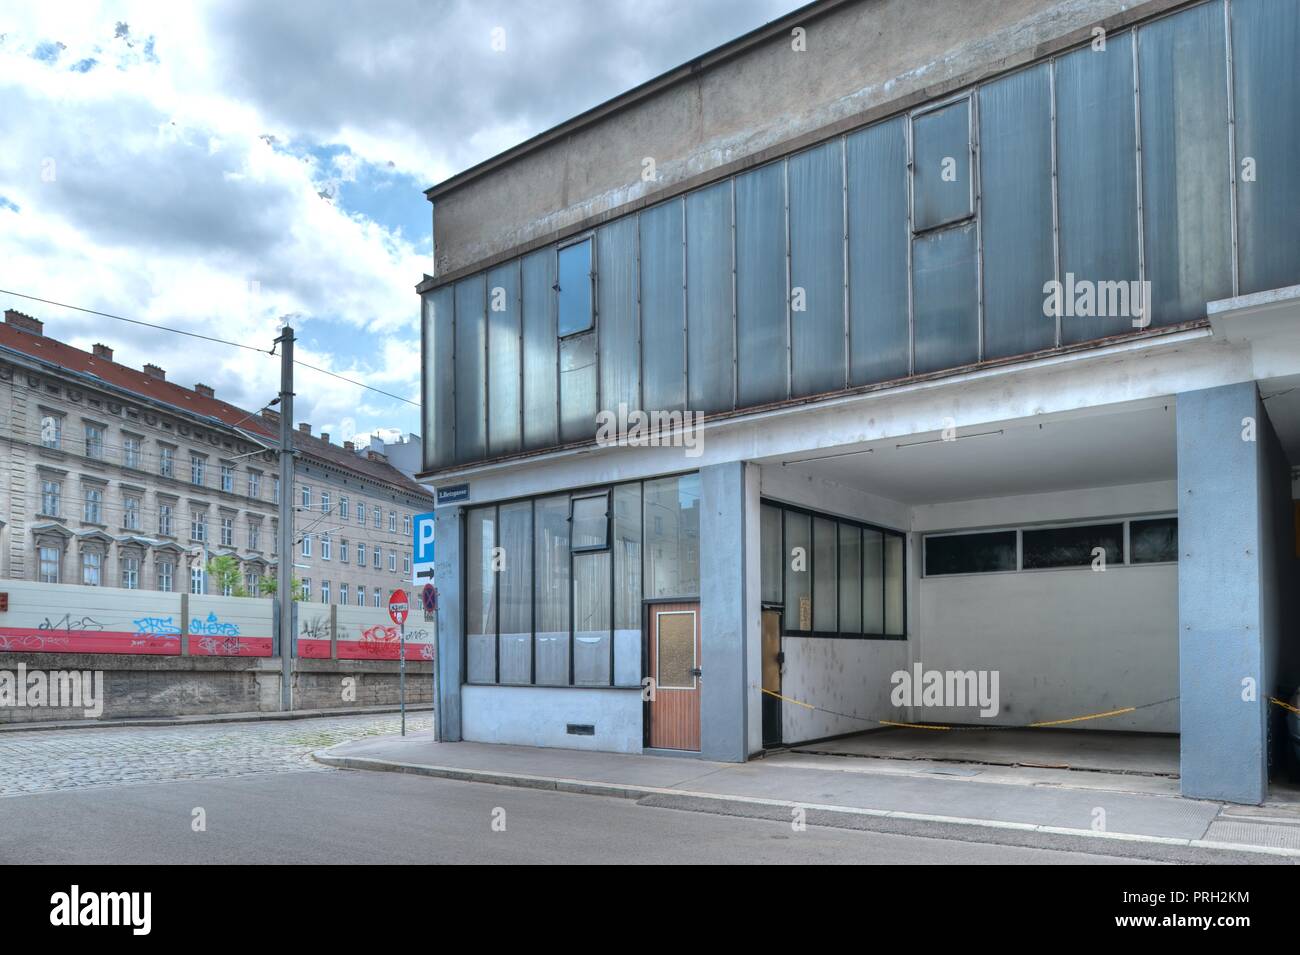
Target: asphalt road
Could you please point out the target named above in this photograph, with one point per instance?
(340, 816)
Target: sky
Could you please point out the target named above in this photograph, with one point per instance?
(229, 167)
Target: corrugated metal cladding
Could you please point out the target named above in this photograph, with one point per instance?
(1168, 156)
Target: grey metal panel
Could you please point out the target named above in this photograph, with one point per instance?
(1097, 176)
(578, 387)
(850, 579)
(592, 619)
(1266, 98)
(480, 596)
(798, 571)
(878, 239)
(1186, 209)
(817, 270)
(941, 174)
(945, 303)
(504, 428)
(770, 549)
(1015, 117)
(760, 285)
(541, 388)
(471, 377)
(627, 584)
(709, 338)
(439, 378)
(551, 591)
(663, 317)
(825, 575)
(620, 346)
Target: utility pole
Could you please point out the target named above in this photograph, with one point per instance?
(284, 569)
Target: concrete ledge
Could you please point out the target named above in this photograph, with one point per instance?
(845, 817)
(252, 717)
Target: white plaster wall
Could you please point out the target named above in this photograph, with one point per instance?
(848, 677)
(1066, 643)
(537, 716)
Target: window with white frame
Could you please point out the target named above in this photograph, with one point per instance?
(306, 545)
(94, 510)
(361, 513)
(324, 591)
(166, 461)
(275, 538)
(275, 490)
(376, 596)
(343, 507)
(361, 554)
(198, 525)
(227, 532)
(198, 469)
(324, 502)
(51, 498)
(52, 431)
(132, 451)
(406, 563)
(343, 594)
(131, 573)
(406, 524)
(326, 548)
(228, 478)
(250, 584)
(379, 558)
(91, 563)
(305, 492)
(306, 588)
(343, 550)
(165, 519)
(392, 561)
(131, 513)
(51, 560)
(165, 571)
(94, 441)
(379, 517)
(254, 483)
(196, 579)
(254, 535)
(361, 595)
(392, 522)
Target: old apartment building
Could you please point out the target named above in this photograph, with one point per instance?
(992, 312)
(117, 477)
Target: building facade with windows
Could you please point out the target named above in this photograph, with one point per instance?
(116, 477)
(887, 338)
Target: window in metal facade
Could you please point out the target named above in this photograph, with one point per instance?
(566, 581)
(942, 188)
(945, 309)
(876, 168)
(840, 578)
(503, 361)
(761, 295)
(575, 279)
(710, 370)
(817, 316)
(541, 390)
(663, 307)
(471, 373)
(619, 334)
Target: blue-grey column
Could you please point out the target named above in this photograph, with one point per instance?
(722, 611)
(446, 575)
(1222, 593)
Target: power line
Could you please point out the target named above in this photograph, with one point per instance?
(209, 338)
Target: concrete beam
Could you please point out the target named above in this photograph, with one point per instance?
(447, 578)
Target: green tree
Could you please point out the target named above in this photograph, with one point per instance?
(224, 573)
(268, 585)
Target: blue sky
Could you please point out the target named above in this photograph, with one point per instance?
(227, 167)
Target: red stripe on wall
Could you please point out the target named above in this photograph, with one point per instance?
(201, 646)
(35, 640)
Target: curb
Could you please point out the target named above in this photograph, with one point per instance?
(205, 719)
(829, 815)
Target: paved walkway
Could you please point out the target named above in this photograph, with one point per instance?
(51, 760)
(846, 791)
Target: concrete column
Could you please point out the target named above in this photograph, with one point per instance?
(1228, 632)
(727, 531)
(447, 578)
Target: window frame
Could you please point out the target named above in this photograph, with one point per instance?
(588, 238)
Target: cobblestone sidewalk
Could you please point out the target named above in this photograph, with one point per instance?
(51, 760)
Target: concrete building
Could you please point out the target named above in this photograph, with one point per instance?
(117, 477)
(992, 313)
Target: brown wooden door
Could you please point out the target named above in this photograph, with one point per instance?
(675, 666)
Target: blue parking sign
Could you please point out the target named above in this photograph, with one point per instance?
(424, 538)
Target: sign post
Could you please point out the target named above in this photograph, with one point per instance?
(398, 606)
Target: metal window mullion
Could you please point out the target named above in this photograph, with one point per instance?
(686, 318)
(973, 157)
(735, 307)
(519, 292)
(844, 222)
(1232, 144)
(1137, 139)
(1056, 196)
(487, 362)
(613, 613)
(640, 329)
(911, 305)
(789, 278)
